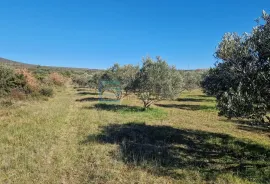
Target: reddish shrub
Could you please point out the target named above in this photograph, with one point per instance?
(57, 79)
(31, 82)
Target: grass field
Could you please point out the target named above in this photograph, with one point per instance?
(72, 138)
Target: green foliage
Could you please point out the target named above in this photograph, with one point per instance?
(121, 79)
(81, 80)
(156, 81)
(127, 76)
(130, 110)
(7, 80)
(192, 79)
(10, 80)
(94, 81)
(41, 73)
(241, 82)
(20, 83)
(46, 91)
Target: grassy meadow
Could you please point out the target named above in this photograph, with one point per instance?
(72, 138)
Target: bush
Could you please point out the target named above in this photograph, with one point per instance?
(46, 91)
(41, 74)
(7, 80)
(81, 80)
(6, 103)
(17, 94)
(31, 84)
(19, 83)
(57, 79)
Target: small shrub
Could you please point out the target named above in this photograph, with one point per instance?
(57, 79)
(41, 73)
(81, 80)
(17, 94)
(46, 91)
(7, 80)
(31, 82)
(6, 103)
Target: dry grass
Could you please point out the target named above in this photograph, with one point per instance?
(71, 140)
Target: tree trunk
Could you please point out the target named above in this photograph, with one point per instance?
(147, 104)
(268, 118)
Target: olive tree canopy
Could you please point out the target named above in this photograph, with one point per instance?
(156, 81)
(241, 78)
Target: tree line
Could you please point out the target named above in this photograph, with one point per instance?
(155, 80)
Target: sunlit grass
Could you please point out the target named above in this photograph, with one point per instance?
(73, 138)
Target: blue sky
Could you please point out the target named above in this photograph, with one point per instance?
(98, 33)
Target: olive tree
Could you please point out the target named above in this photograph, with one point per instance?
(93, 82)
(81, 80)
(156, 81)
(192, 79)
(241, 78)
(119, 80)
(127, 77)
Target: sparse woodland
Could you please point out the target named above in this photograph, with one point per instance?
(167, 125)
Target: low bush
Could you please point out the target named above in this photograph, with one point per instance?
(19, 84)
(81, 80)
(7, 80)
(46, 91)
(17, 94)
(57, 79)
(31, 84)
(6, 103)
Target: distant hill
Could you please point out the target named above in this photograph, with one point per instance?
(17, 64)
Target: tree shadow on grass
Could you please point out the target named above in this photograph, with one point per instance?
(117, 107)
(202, 96)
(162, 150)
(195, 100)
(86, 93)
(252, 126)
(187, 107)
(88, 99)
(81, 89)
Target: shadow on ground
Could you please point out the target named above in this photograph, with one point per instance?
(88, 99)
(187, 106)
(252, 126)
(117, 107)
(162, 150)
(86, 93)
(202, 96)
(195, 100)
(79, 89)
